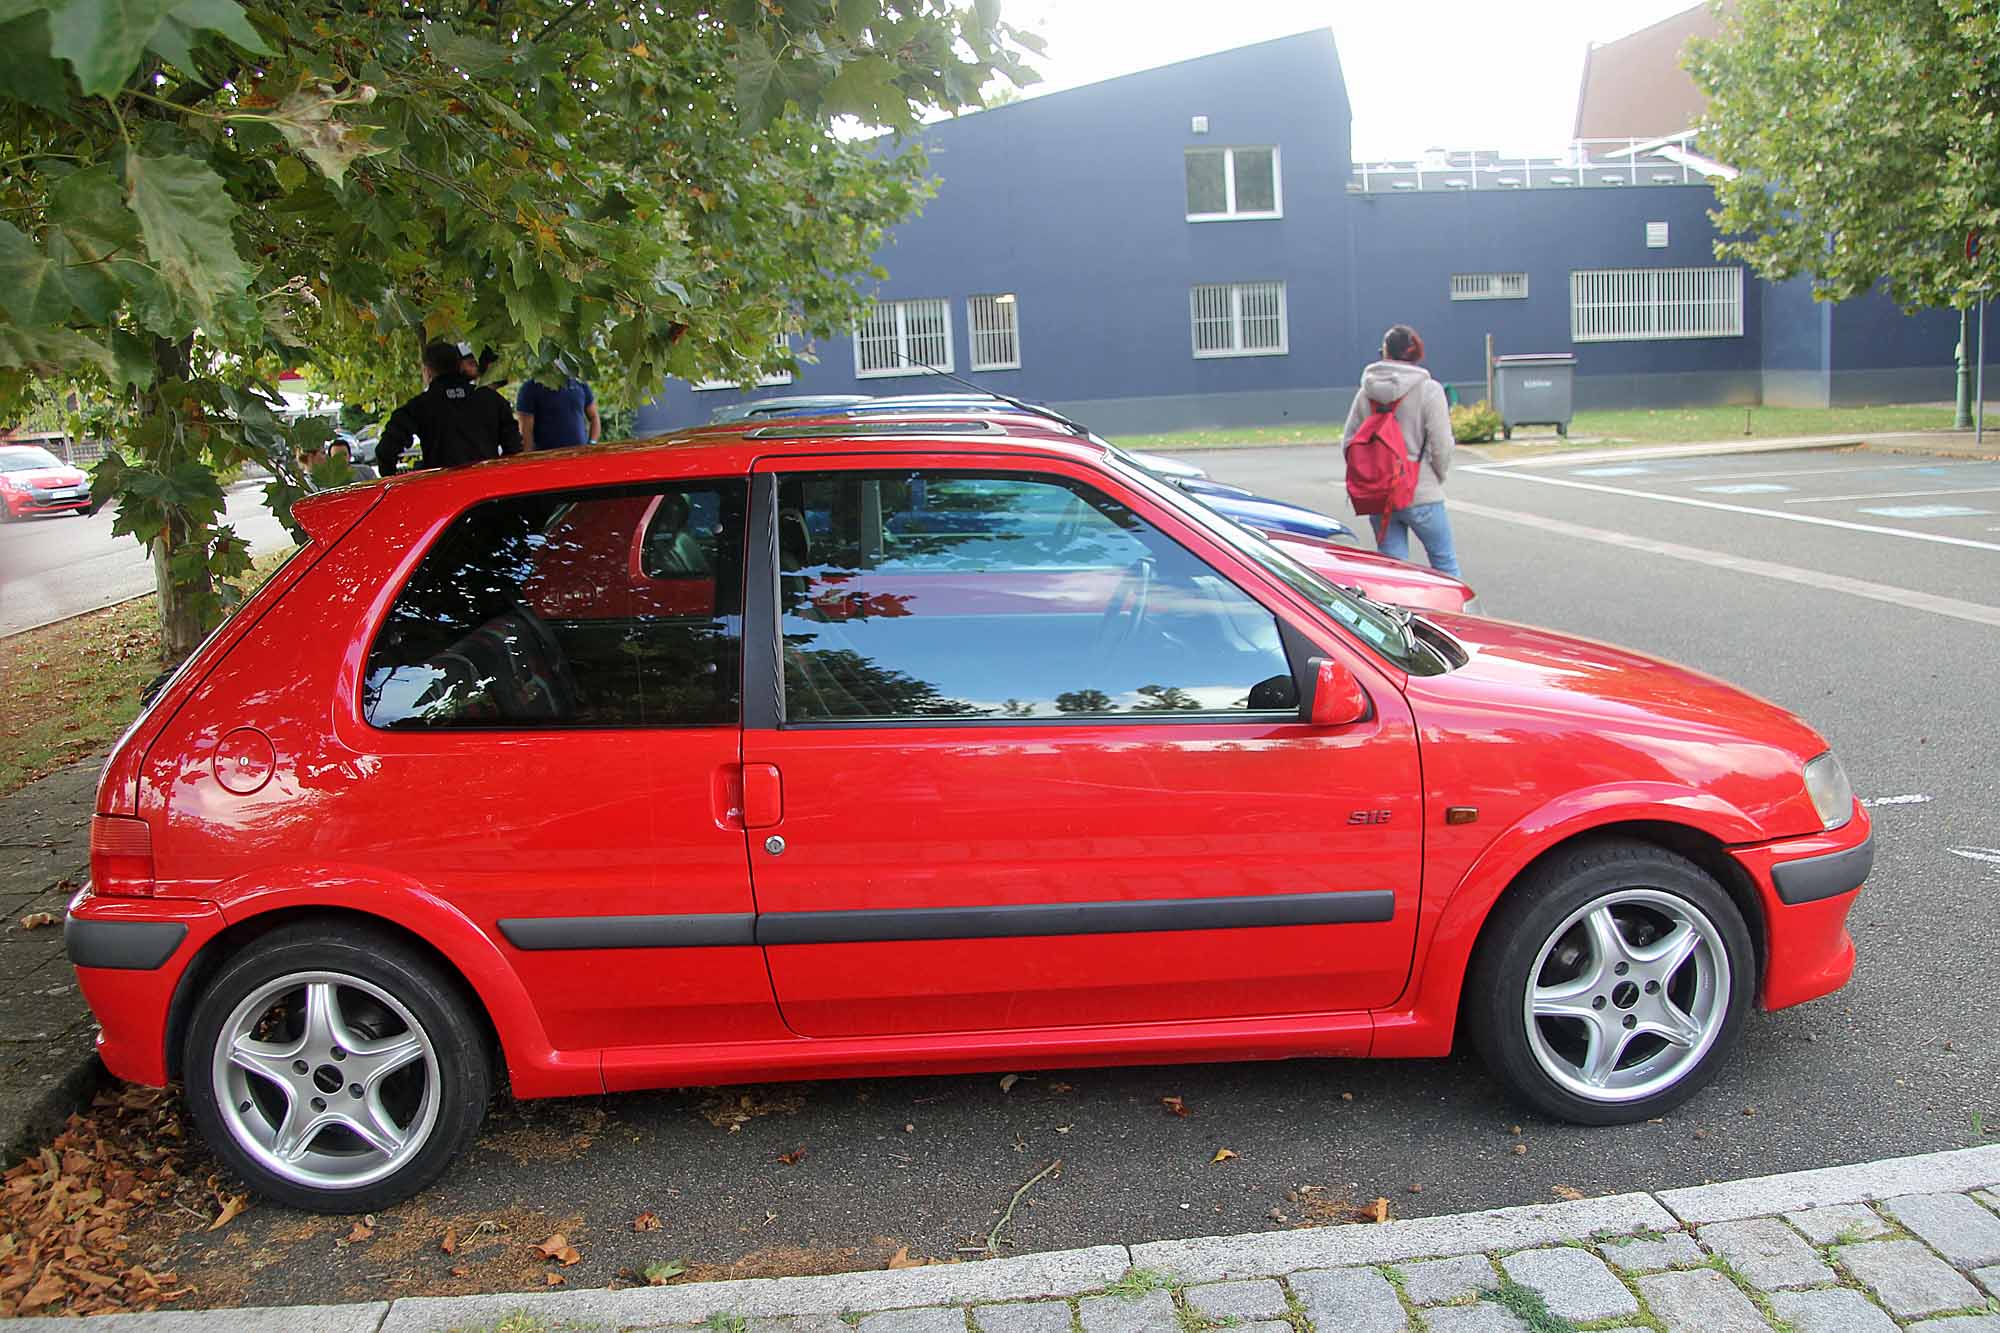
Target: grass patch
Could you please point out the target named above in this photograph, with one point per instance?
(1137, 1282)
(1527, 1305)
(73, 686)
(1688, 425)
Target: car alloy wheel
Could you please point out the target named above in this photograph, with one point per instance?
(336, 1068)
(327, 1080)
(1610, 982)
(1628, 993)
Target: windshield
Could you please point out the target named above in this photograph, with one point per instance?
(27, 460)
(1374, 625)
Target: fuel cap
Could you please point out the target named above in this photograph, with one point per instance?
(244, 760)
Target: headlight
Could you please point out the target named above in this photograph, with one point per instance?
(1826, 783)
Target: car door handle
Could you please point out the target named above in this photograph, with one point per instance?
(763, 796)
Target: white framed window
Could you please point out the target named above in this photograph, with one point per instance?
(1238, 319)
(1650, 304)
(763, 381)
(903, 338)
(1229, 184)
(1489, 286)
(995, 324)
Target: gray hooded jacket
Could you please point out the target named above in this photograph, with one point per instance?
(1424, 418)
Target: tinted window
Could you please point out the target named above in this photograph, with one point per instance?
(28, 459)
(588, 609)
(956, 595)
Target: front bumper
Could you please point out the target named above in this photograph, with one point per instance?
(1807, 886)
(130, 955)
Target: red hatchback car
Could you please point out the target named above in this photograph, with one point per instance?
(857, 748)
(35, 481)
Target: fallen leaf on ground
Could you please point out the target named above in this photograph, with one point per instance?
(362, 1231)
(1062, 1087)
(1568, 1192)
(1519, 1149)
(37, 920)
(794, 1157)
(1222, 1155)
(1007, 1083)
(231, 1207)
(646, 1222)
(558, 1248)
(901, 1259)
(450, 1242)
(553, 1279)
(660, 1274)
(1381, 1210)
(1176, 1105)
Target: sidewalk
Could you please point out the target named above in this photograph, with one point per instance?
(1944, 444)
(46, 1066)
(1907, 1243)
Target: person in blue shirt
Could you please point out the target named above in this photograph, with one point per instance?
(557, 418)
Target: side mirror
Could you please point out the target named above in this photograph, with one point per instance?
(1337, 698)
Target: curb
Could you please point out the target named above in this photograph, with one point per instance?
(44, 1116)
(1067, 1274)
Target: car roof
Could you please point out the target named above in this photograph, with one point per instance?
(731, 448)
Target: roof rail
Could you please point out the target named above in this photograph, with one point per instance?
(850, 429)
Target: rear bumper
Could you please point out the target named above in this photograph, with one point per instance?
(1807, 886)
(130, 955)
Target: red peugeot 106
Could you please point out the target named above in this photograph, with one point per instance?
(814, 749)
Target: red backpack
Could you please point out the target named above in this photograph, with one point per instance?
(1381, 476)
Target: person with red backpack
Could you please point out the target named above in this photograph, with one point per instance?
(1398, 450)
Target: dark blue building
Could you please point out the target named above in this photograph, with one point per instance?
(1193, 245)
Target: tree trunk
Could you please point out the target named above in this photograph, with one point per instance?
(181, 628)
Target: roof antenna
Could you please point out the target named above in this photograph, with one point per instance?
(1032, 409)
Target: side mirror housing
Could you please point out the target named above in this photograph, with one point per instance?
(1337, 697)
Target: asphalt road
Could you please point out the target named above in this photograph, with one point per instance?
(56, 567)
(1878, 633)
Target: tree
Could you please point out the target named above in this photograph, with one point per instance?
(200, 193)
(1867, 134)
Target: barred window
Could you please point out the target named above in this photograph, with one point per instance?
(763, 381)
(1238, 319)
(996, 331)
(1649, 304)
(1489, 286)
(903, 338)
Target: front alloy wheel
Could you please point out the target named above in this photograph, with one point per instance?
(1610, 984)
(334, 1070)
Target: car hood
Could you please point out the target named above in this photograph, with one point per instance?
(1377, 575)
(48, 478)
(1522, 666)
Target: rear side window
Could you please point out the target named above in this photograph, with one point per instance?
(607, 608)
(909, 595)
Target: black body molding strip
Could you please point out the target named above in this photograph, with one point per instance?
(128, 946)
(717, 930)
(1829, 876)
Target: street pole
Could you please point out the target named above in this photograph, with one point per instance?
(1962, 419)
(1979, 390)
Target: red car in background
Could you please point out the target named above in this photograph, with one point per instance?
(35, 481)
(815, 750)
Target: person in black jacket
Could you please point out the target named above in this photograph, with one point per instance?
(458, 421)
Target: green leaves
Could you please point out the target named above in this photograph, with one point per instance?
(31, 286)
(103, 39)
(184, 213)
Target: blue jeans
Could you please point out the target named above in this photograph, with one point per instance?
(1433, 528)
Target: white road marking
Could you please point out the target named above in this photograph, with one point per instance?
(1627, 470)
(1924, 511)
(1925, 468)
(1872, 801)
(1990, 855)
(1746, 488)
(1975, 612)
(1940, 538)
(1890, 495)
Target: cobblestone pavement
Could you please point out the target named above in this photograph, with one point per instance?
(46, 1065)
(1908, 1243)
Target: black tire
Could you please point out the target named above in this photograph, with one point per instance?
(444, 1017)
(1610, 873)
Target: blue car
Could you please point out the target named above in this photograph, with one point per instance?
(1253, 511)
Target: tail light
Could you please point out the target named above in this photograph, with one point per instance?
(121, 856)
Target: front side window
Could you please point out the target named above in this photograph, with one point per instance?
(605, 608)
(1229, 183)
(903, 338)
(1239, 319)
(912, 595)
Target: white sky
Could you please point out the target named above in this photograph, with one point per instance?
(1420, 74)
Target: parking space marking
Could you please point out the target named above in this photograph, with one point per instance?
(1942, 539)
(1924, 511)
(1924, 469)
(1745, 488)
(1870, 802)
(1890, 495)
(1975, 612)
(1623, 470)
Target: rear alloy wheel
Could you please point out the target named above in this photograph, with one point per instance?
(333, 1073)
(1611, 987)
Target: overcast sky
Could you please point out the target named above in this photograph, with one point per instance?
(1421, 74)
